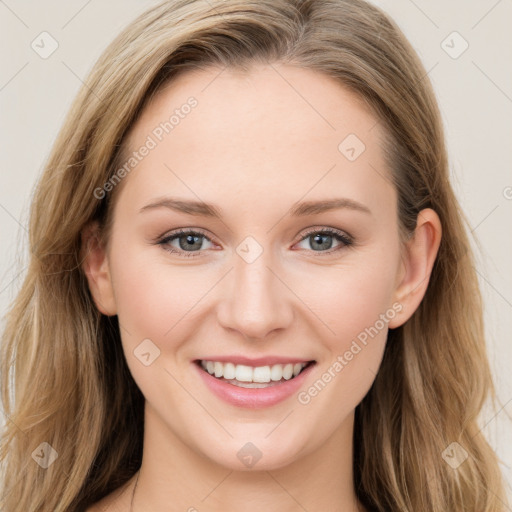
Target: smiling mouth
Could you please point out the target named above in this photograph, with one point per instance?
(253, 376)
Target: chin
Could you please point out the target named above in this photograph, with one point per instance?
(256, 451)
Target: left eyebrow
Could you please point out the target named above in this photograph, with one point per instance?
(200, 208)
(312, 207)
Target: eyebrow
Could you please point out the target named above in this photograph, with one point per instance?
(200, 208)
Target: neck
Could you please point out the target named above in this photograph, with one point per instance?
(175, 477)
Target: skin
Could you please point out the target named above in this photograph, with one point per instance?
(255, 145)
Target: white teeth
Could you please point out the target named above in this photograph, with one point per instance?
(261, 374)
(218, 369)
(228, 371)
(288, 372)
(276, 372)
(250, 374)
(243, 373)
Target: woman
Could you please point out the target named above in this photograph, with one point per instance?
(250, 284)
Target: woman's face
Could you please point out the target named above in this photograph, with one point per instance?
(299, 267)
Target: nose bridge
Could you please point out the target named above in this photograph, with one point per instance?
(257, 303)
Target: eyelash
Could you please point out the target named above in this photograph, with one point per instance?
(342, 237)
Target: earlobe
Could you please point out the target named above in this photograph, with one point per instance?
(419, 256)
(95, 265)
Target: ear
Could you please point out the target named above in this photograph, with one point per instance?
(417, 262)
(95, 264)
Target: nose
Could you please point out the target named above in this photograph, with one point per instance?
(257, 301)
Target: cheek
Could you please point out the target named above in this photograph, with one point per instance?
(152, 297)
(157, 302)
(348, 300)
(356, 306)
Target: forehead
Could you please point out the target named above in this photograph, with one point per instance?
(268, 99)
(272, 129)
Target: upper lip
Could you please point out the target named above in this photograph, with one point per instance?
(257, 361)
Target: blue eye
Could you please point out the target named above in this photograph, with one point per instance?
(190, 243)
(323, 239)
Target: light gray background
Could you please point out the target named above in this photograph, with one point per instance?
(474, 93)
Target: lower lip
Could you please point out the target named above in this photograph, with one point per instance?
(253, 398)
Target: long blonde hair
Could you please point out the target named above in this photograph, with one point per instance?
(71, 387)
